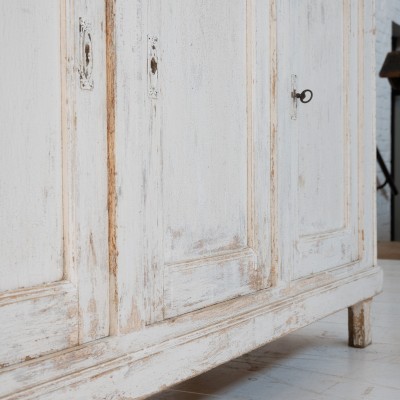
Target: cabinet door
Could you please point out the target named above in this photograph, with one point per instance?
(53, 178)
(319, 48)
(207, 175)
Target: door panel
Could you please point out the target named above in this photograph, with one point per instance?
(45, 185)
(318, 50)
(30, 140)
(212, 225)
(204, 129)
(322, 125)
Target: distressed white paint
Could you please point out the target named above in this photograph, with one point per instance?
(207, 207)
(142, 363)
(30, 144)
(89, 176)
(313, 363)
(208, 118)
(37, 321)
(204, 127)
(326, 138)
(53, 182)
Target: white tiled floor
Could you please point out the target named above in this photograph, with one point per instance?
(315, 362)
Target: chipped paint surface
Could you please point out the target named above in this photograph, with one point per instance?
(210, 215)
(181, 240)
(209, 337)
(54, 294)
(325, 181)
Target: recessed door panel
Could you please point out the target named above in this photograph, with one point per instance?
(204, 128)
(212, 222)
(30, 144)
(322, 124)
(318, 48)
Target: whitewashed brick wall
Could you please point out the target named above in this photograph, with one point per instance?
(386, 12)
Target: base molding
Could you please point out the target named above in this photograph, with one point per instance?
(126, 376)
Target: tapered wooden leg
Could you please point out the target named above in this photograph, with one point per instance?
(360, 324)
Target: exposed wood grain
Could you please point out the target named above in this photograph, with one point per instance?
(360, 324)
(111, 165)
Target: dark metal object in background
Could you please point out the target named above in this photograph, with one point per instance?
(391, 69)
(388, 177)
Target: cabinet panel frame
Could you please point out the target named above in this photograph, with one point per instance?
(139, 279)
(46, 318)
(359, 158)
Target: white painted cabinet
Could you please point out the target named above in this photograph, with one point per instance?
(167, 202)
(53, 181)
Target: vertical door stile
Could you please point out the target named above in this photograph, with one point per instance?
(362, 143)
(153, 167)
(250, 39)
(67, 36)
(90, 169)
(111, 165)
(277, 273)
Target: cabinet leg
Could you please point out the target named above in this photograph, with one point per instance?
(360, 324)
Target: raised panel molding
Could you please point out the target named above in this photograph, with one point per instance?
(130, 316)
(37, 321)
(327, 247)
(158, 250)
(42, 315)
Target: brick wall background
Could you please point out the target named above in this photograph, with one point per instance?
(386, 12)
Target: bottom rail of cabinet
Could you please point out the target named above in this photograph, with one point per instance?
(137, 365)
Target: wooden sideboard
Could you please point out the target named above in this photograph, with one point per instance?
(181, 182)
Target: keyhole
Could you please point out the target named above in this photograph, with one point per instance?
(153, 66)
(87, 54)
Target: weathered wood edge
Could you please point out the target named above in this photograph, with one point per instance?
(112, 196)
(121, 364)
(51, 289)
(359, 320)
(37, 321)
(89, 173)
